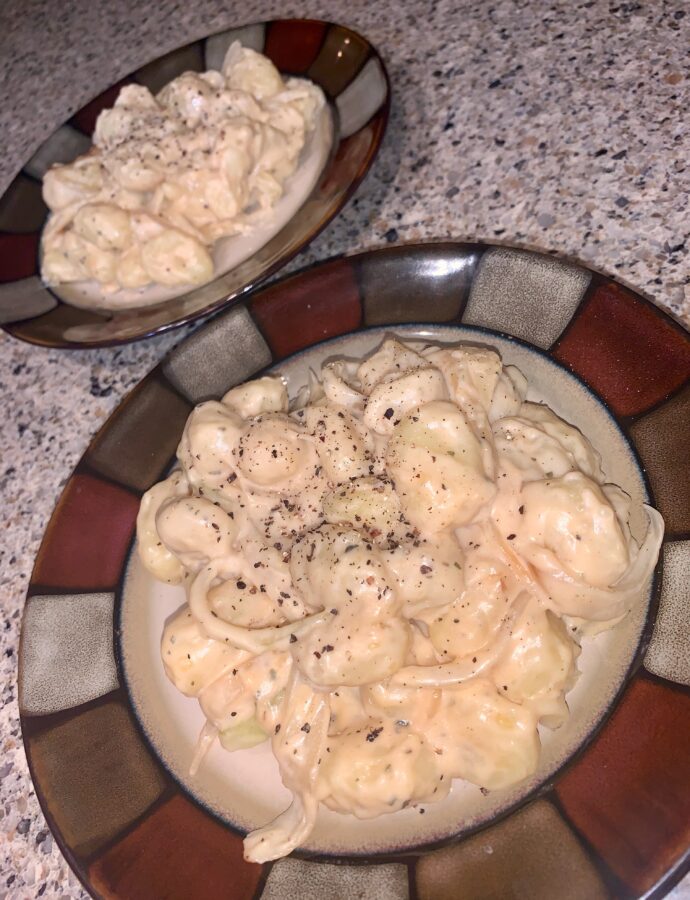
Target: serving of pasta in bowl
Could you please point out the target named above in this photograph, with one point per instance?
(181, 187)
(391, 579)
(189, 182)
(361, 589)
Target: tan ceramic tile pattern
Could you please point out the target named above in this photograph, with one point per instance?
(529, 297)
(229, 350)
(317, 881)
(669, 650)
(533, 855)
(67, 653)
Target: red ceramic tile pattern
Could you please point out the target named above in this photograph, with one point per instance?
(293, 45)
(88, 536)
(18, 256)
(628, 352)
(177, 852)
(308, 308)
(629, 794)
(85, 119)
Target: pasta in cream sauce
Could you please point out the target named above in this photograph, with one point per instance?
(389, 579)
(169, 175)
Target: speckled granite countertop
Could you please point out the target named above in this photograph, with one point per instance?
(558, 126)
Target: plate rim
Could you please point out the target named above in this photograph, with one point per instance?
(636, 661)
(680, 865)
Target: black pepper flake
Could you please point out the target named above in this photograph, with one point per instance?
(334, 612)
(425, 570)
(374, 733)
(317, 654)
(511, 537)
(293, 639)
(215, 526)
(389, 413)
(327, 648)
(306, 728)
(277, 728)
(241, 585)
(521, 510)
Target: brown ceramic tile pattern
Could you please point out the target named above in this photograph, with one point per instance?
(307, 308)
(629, 793)
(22, 209)
(157, 74)
(88, 536)
(18, 256)
(176, 852)
(293, 46)
(59, 321)
(342, 55)
(661, 438)
(627, 351)
(351, 158)
(96, 775)
(408, 284)
(533, 855)
(141, 436)
(669, 650)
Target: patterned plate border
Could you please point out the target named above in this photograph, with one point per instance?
(614, 822)
(354, 79)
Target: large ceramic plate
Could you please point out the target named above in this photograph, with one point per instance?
(609, 812)
(354, 79)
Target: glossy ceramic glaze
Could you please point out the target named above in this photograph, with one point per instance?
(354, 80)
(614, 822)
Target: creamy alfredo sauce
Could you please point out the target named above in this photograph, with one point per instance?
(181, 187)
(394, 616)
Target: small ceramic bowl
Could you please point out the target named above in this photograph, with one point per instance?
(354, 80)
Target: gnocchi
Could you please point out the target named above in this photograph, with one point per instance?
(377, 575)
